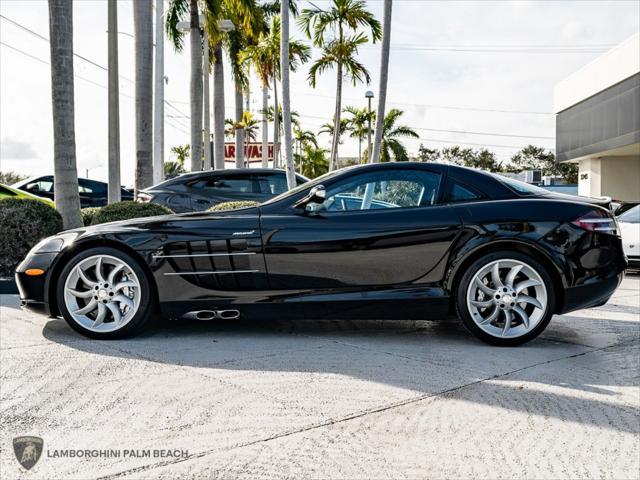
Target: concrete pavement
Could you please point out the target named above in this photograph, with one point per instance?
(325, 399)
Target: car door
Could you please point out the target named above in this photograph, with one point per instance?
(376, 231)
(92, 193)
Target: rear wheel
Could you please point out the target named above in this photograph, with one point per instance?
(103, 293)
(505, 298)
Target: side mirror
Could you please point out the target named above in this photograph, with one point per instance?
(316, 195)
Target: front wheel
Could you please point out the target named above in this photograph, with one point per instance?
(505, 298)
(103, 293)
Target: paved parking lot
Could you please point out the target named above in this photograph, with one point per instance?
(325, 399)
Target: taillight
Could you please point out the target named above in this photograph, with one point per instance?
(144, 197)
(597, 221)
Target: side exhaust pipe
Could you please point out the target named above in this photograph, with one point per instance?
(212, 314)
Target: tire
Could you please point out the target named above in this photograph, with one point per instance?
(123, 304)
(476, 305)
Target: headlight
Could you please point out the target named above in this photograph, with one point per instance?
(54, 244)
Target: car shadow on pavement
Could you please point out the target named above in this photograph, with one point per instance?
(386, 360)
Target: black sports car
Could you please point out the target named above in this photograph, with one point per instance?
(385, 241)
(198, 191)
(93, 193)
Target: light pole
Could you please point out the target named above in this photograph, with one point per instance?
(369, 95)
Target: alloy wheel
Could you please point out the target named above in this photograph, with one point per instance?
(102, 293)
(507, 298)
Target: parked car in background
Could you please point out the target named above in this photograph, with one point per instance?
(93, 193)
(198, 191)
(9, 192)
(393, 240)
(619, 207)
(630, 229)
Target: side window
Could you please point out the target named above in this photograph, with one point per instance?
(41, 185)
(384, 189)
(459, 193)
(228, 184)
(272, 184)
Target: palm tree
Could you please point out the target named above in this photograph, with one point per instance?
(358, 125)
(295, 120)
(243, 15)
(264, 56)
(250, 126)
(312, 162)
(390, 145)
(340, 50)
(176, 167)
(143, 28)
(113, 192)
(64, 137)
(303, 138)
(384, 75)
(329, 128)
(286, 95)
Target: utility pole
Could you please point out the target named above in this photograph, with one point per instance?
(113, 191)
(158, 110)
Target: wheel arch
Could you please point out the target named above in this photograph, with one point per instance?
(68, 254)
(459, 265)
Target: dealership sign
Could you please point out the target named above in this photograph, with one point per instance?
(252, 152)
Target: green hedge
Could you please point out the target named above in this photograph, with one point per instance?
(88, 214)
(128, 210)
(233, 205)
(23, 223)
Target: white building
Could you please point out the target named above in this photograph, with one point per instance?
(598, 123)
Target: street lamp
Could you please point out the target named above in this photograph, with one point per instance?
(369, 95)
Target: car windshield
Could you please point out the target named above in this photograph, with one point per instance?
(520, 187)
(299, 188)
(631, 216)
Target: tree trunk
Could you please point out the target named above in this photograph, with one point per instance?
(113, 192)
(158, 111)
(64, 139)
(286, 97)
(384, 75)
(195, 89)
(239, 130)
(336, 121)
(265, 127)
(276, 124)
(218, 108)
(143, 28)
(206, 68)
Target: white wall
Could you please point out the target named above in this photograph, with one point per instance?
(608, 69)
(615, 177)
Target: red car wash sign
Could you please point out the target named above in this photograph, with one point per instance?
(252, 152)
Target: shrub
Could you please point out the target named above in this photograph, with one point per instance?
(128, 210)
(88, 214)
(233, 205)
(23, 223)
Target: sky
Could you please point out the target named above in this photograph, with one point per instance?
(478, 74)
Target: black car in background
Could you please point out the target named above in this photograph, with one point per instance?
(92, 192)
(195, 192)
(382, 241)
